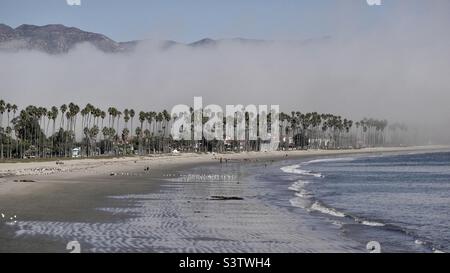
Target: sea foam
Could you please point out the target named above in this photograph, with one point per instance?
(295, 169)
(323, 209)
(329, 160)
(372, 224)
(298, 185)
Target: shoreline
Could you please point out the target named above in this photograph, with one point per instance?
(55, 166)
(17, 177)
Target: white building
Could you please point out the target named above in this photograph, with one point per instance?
(76, 152)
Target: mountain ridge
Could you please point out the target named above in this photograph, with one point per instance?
(60, 39)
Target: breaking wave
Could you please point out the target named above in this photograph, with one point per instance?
(305, 199)
(295, 169)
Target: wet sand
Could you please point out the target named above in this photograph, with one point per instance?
(73, 197)
(150, 213)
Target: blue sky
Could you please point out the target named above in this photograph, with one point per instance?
(190, 20)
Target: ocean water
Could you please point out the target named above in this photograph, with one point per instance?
(400, 201)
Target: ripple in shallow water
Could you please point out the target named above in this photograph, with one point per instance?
(181, 219)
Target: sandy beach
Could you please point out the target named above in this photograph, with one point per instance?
(58, 171)
(135, 204)
(86, 166)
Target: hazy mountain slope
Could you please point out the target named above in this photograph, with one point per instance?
(59, 39)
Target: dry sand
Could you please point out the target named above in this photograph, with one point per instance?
(37, 173)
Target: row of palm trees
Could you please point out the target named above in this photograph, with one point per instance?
(56, 131)
(8, 108)
(328, 131)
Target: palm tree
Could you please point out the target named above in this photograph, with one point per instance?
(138, 132)
(166, 119)
(126, 117)
(8, 132)
(125, 133)
(14, 110)
(149, 116)
(63, 109)
(105, 132)
(159, 119)
(54, 115)
(103, 116)
(2, 110)
(118, 114)
(93, 132)
(132, 114)
(142, 118)
(71, 116)
(112, 135)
